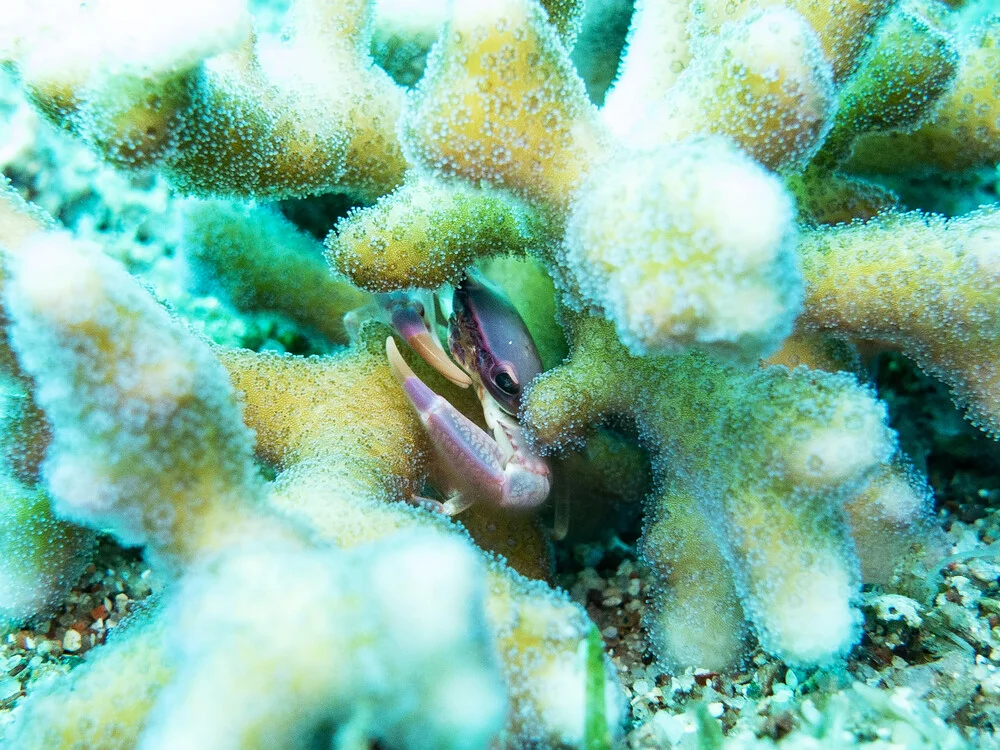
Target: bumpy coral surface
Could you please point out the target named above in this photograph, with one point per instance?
(712, 227)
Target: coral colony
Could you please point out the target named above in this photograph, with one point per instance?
(564, 271)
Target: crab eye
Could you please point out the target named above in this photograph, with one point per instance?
(506, 383)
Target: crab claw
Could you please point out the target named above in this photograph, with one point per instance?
(475, 465)
(409, 321)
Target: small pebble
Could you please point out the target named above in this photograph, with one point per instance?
(983, 570)
(72, 641)
(892, 607)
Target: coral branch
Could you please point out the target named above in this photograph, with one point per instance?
(147, 437)
(656, 240)
(43, 556)
(843, 26)
(384, 623)
(763, 83)
(808, 442)
(259, 261)
(920, 283)
(964, 131)
(221, 112)
(426, 234)
(658, 52)
(109, 697)
(910, 66)
(500, 103)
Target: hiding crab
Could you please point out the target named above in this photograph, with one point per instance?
(494, 353)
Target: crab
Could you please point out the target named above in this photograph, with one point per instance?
(495, 355)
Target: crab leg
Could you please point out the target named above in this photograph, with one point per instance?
(450, 507)
(476, 466)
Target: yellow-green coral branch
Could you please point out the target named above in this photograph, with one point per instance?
(500, 103)
(657, 51)
(921, 283)
(964, 132)
(691, 245)
(257, 260)
(774, 499)
(844, 27)
(763, 83)
(910, 66)
(147, 439)
(427, 233)
(196, 94)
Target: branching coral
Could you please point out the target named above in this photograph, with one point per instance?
(708, 214)
(774, 98)
(502, 70)
(258, 261)
(482, 113)
(164, 423)
(375, 603)
(963, 130)
(700, 275)
(909, 66)
(219, 110)
(146, 440)
(842, 26)
(426, 234)
(920, 283)
(733, 293)
(43, 556)
(192, 694)
(784, 557)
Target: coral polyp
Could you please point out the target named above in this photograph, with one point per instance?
(731, 237)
